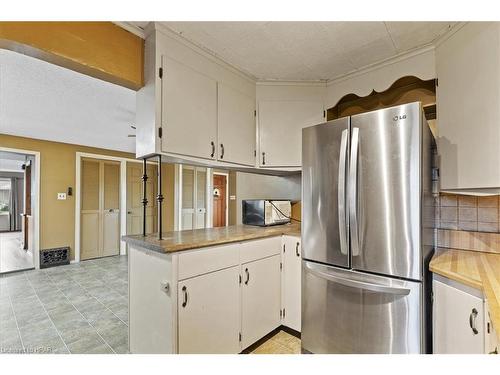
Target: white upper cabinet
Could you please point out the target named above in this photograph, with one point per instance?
(194, 108)
(236, 126)
(468, 110)
(189, 111)
(283, 110)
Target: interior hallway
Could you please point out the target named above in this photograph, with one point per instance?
(12, 255)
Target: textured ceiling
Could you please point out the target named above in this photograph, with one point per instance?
(306, 50)
(44, 101)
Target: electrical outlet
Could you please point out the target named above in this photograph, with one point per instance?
(61, 196)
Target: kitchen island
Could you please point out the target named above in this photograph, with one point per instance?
(216, 290)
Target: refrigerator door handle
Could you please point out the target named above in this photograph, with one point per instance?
(342, 193)
(353, 192)
(358, 284)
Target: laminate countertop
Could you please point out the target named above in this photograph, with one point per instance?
(473, 268)
(192, 239)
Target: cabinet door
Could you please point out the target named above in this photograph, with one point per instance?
(236, 126)
(468, 114)
(189, 111)
(456, 314)
(491, 338)
(260, 298)
(209, 314)
(280, 130)
(291, 288)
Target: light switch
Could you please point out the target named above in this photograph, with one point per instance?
(61, 196)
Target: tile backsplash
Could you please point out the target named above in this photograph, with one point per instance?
(469, 213)
(469, 222)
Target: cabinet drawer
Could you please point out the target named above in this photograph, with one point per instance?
(208, 259)
(258, 249)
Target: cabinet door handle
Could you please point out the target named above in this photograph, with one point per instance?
(297, 249)
(213, 149)
(221, 151)
(184, 290)
(263, 158)
(248, 276)
(472, 321)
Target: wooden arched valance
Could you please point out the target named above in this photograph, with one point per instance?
(404, 90)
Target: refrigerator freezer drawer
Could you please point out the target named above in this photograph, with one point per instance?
(347, 312)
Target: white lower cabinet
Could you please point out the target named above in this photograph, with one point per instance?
(260, 298)
(458, 319)
(208, 313)
(492, 343)
(291, 289)
(219, 299)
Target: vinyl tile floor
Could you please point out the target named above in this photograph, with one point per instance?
(12, 255)
(280, 343)
(80, 308)
(77, 308)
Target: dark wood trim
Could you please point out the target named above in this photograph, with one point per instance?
(405, 90)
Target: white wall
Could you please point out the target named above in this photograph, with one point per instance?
(254, 186)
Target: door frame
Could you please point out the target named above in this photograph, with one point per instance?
(178, 197)
(123, 196)
(36, 207)
(227, 194)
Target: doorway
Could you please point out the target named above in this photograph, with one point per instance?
(220, 199)
(100, 208)
(18, 234)
(192, 197)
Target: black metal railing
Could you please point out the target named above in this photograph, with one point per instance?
(159, 197)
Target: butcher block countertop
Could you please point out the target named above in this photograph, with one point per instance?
(475, 269)
(196, 238)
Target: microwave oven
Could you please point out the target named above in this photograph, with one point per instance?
(265, 212)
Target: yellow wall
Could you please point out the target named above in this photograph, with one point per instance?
(57, 173)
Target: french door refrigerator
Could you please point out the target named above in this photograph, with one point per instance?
(367, 233)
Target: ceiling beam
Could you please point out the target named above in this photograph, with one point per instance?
(99, 49)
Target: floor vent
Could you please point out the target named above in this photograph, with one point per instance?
(54, 257)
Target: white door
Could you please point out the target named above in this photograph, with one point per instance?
(195, 186)
(280, 130)
(458, 320)
(100, 208)
(208, 309)
(189, 111)
(236, 126)
(292, 270)
(260, 298)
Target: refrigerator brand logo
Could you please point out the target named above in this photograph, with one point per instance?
(400, 117)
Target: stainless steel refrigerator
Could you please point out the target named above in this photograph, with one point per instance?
(367, 233)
